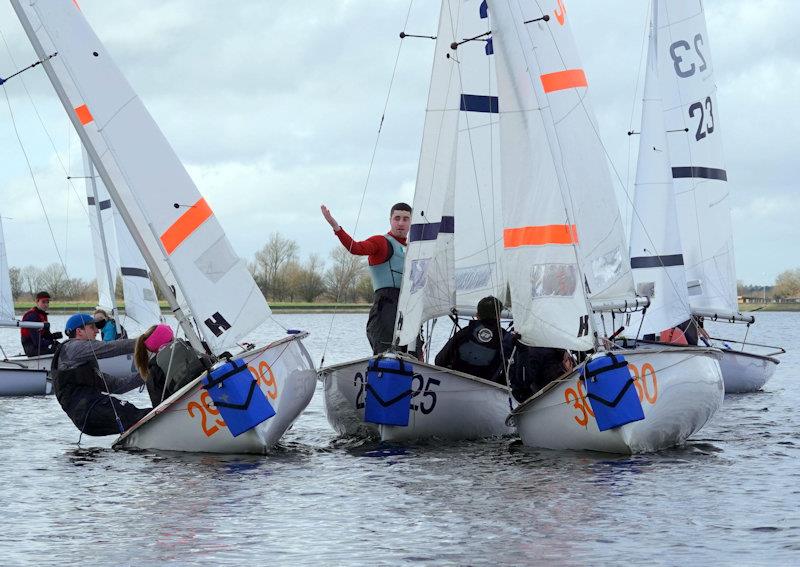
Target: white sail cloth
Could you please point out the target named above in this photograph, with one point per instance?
(121, 256)
(562, 223)
(175, 224)
(655, 244)
(691, 116)
(453, 259)
(6, 297)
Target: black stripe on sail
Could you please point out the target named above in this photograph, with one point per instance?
(699, 173)
(479, 103)
(657, 261)
(91, 200)
(105, 204)
(137, 272)
(431, 230)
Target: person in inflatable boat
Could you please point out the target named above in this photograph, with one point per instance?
(165, 363)
(82, 390)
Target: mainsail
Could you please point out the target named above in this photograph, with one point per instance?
(183, 243)
(116, 254)
(691, 116)
(6, 297)
(655, 245)
(453, 250)
(563, 235)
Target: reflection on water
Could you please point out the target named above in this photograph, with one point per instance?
(730, 495)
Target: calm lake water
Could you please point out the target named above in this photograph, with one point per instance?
(730, 496)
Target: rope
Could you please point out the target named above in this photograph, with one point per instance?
(369, 173)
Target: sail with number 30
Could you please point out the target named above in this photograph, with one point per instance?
(175, 225)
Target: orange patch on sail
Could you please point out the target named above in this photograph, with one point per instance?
(83, 114)
(186, 224)
(561, 12)
(562, 80)
(540, 235)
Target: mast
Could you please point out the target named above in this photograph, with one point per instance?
(103, 243)
(161, 281)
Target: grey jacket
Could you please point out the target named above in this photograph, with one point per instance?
(76, 352)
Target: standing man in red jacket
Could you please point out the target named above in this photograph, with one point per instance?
(386, 254)
(38, 341)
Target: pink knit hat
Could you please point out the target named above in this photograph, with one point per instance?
(160, 336)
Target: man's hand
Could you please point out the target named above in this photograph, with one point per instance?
(329, 217)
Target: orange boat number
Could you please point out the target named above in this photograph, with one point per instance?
(644, 380)
(265, 376)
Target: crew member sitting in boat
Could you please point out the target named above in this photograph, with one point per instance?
(39, 341)
(83, 391)
(386, 255)
(165, 363)
(483, 347)
(533, 368)
(107, 325)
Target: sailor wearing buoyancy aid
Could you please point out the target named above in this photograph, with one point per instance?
(83, 392)
(483, 347)
(386, 254)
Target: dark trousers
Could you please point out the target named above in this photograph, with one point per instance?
(95, 415)
(380, 324)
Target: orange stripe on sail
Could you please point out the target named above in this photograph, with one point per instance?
(561, 80)
(540, 235)
(186, 224)
(83, 114)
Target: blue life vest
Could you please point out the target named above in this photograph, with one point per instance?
(609, 388)
(390, 272)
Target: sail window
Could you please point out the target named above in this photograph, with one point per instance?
(217, 260)
(419, 274)
(646, 289)
(553, 280)
(608, 267)
(473, 277)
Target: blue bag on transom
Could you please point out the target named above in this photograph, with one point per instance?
(609, 388)
(388, 391)
(237, 396)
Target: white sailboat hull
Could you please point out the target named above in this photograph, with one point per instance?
(445, 404)
(745, 372)
(121, 365)
(188, 421)
(19, 381)
(683, 391)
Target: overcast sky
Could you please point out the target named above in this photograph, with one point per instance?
(274, 107)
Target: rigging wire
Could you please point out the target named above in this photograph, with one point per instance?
(369, 171)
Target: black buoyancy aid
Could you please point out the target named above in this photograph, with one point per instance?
(65, 382)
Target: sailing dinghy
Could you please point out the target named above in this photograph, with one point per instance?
(692, 121)
(449, 267)
(15, 378)
(566, 258)
(209, 289)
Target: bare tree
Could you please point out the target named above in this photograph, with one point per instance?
(364, 291)
(273, 256)
(312, 280)
(55, 280)
(787, 284)
(15, 275)
(31, 279)
(342, 277)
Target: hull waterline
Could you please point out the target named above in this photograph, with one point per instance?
(680, 389)
(20, 381)
(188, 421)
(445, 404)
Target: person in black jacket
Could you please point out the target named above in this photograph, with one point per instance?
(533, 368)
(482, 348)
(83, 391)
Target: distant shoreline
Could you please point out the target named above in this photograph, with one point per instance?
(59, 307)
(286, 307)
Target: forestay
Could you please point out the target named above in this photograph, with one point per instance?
(178, 230)
(655, 245)
(558, 201)
(698, 167)
(121, 256)
(452, 259)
